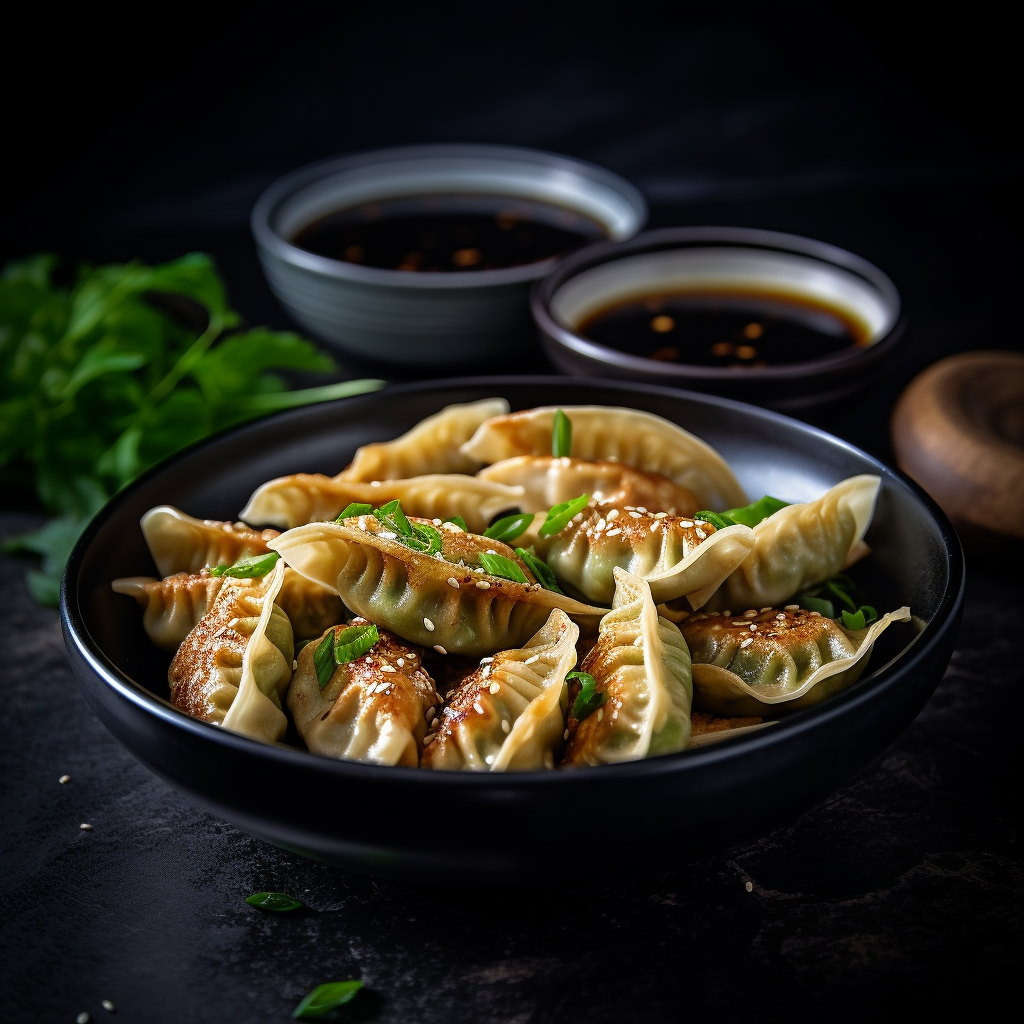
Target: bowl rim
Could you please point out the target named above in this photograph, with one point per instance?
(271, 242)
(556, 336)
(784, 730)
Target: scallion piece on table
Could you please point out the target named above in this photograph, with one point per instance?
(588, 700)
(510, 527)
(559, 516)
(561, 436)
(253, 567)
(325, 998)
(500, 565)
(278, 902)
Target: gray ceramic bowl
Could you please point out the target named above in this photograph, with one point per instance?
(823, 283)
(431, 826)
(424, 318)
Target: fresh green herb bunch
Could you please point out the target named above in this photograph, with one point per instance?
(105, 378)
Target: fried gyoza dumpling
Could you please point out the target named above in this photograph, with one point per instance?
(510, 712)
(291, 501)
(641, 665)
(233, 667)
(432, 446)
(171, 607)
(676, 556)
(638, 439)
(546, 480)
(182, 543)
(799, 546)
(444, 599)
(373, 708)
(775, 660)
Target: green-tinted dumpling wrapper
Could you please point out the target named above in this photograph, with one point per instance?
(776, 660)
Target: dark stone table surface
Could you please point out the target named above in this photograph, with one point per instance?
(904, 889)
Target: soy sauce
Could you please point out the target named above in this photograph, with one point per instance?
(726, 328)
(450, 234)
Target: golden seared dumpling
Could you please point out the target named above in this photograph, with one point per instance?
(233, 667)
(373, 708)
(676, 556)
(171, 607)
(509, 713)
(442, 597)
(771, 660)
(638, 439)
(547, 480)
(641, 667)
(290, 501)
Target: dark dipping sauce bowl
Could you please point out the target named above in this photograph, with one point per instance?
(425, 255)
(782, 321)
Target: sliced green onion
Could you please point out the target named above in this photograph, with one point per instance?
(247, 568)
(716, 519)
(499, 565)
(354, 642)
(559, 516)
(356, 508)
(588, 700)
(860, 619)
(323, 659)
(561, 436)
(459, 522)
(279, 902)
(755, 512)
(507, 529)
(423, 538)
(392, 516)
(540, 569)
(325, 998)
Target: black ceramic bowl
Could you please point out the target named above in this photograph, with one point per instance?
(414, 824)
(779, 320)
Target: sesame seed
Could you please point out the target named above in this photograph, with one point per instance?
(375, 483)
(489, 759)
(436, 522)
(63, 779)
(429, 738)
(750, 613)
(701, 535)
(792, 607)
(740, 623)
(505, 727)
(487, 660)
(565, 735)
(494, 688)
(747, 642)
(400, 662)
(600, 714)
(85, 826)
(600, 524)
(613, 514)
(613, 533)
(82, 1018)
(483, 584)
(453, 582)
(533, 657)
(634, 515)
(428, 624)
(107, 1005)
(753, 627)
(813, 614)
(439, 649)
(749, 886)
(768, 609)
(476, 707)
(660, 515)
(687, 524)
(654, 526)
(388, 668)
(430, 715)
(549, 759)
(780, 616)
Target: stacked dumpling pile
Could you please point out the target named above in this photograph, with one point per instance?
(496, 590)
